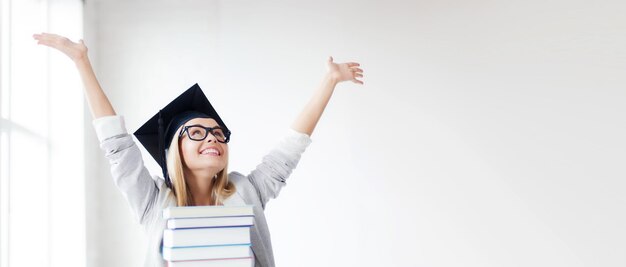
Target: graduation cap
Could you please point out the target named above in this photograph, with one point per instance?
(157, 133)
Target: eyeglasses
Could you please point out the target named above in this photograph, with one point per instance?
(199, 133)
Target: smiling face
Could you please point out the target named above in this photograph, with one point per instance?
(207, 156)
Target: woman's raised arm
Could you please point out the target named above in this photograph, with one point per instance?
(98, 102)
(337, 72)
(127, 168)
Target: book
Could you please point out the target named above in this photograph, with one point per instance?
(207, 211)
(206, 252)
(244, 262)
(206, 236)
(178, 223)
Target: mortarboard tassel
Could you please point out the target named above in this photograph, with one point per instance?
(162, 153)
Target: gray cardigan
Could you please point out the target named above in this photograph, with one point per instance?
(148, 195)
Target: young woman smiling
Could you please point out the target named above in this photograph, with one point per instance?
(190, 142)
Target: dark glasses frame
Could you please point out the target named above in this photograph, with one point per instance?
(207, 131)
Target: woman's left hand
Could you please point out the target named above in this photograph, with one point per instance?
(340, 72)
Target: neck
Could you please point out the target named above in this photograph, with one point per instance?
(200, 184)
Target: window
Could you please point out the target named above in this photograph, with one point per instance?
(42, 201)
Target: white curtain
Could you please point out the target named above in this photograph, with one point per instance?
(42, 202)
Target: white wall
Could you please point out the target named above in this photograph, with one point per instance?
(487, 133)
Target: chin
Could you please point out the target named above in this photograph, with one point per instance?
(207, 164)
(206, 172)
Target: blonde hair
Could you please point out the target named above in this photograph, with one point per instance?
(221, 188)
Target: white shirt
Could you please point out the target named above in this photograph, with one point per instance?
(148, 195)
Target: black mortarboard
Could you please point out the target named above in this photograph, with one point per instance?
(157, 133)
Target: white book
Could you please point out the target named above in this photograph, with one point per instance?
(207, 211)
(178, 223)
(206, 236)
(206, 253)
(245, 262)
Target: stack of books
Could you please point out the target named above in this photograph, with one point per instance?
(208, 236)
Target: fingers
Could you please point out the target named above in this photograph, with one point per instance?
(350, 64)
(50, 39)
(357, 75)
(41, 40)
(45, 38)
(356, 70)
(38, 37)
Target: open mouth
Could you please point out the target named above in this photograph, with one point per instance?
(210, 151)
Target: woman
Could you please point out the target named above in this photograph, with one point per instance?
(190, 144)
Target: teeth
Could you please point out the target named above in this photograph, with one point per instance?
(210, 151)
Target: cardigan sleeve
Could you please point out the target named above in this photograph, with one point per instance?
(130, 175)
(270, 176)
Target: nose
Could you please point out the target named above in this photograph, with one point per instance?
(211, 138)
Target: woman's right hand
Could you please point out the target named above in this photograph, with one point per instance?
(98, 102)
(76, 51)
